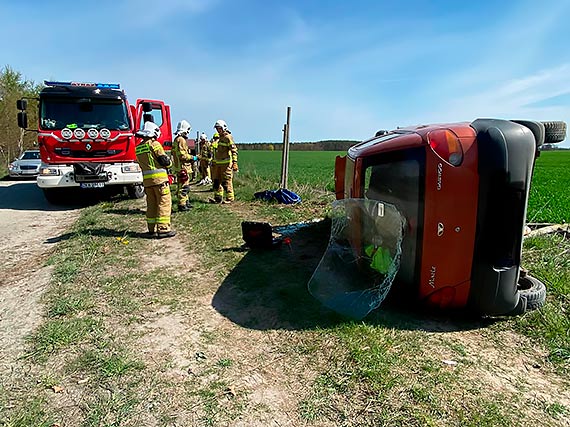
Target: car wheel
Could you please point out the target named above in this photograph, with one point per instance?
(533, 290)
(135, 191)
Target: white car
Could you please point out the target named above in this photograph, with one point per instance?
(28, 164)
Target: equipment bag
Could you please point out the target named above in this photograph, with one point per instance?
(280, 196)
(258, 235)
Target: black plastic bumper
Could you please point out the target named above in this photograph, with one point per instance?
(506, 154)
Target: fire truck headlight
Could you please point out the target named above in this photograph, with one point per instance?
(66, 133)
(79, 133)
(134, 168)
(105, 133)
(92, 133)
(47, 171)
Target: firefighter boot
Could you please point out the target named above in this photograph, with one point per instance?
(169, 233)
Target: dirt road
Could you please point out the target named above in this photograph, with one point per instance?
(29, 231)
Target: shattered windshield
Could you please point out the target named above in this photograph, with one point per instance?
(58, 113)
(362, 258)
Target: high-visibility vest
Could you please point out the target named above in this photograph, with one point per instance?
(147, 153)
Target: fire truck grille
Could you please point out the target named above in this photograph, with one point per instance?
(80, 154)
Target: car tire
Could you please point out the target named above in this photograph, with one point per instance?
(554, 131)
(135, 191)
(533, 290)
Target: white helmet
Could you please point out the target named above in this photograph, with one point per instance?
(150, 130)
(221, 124)
(183, 127)
(203, 137)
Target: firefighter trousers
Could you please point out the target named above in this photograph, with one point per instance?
(183, 190)
(222, 175)
(204, 168)
(158, 207)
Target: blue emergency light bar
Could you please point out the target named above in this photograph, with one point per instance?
(80, 84)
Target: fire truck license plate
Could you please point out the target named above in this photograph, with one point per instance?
(92, 185)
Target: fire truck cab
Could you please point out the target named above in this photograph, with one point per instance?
(86, 136)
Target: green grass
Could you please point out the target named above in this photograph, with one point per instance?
(549, 197)
(548, 258)
(309, 171)
(108, 362)
(29, 412)
(57, 334)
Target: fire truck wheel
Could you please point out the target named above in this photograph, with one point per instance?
(533, 290)
(554, 131)
(53, 195)
(135, 191)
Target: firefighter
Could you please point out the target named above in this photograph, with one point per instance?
(214, 147)
(194, 164)
(154, 162)
(182, 164)
(224, 164)
(205, 158)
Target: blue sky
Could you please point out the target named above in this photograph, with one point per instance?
(346, 68)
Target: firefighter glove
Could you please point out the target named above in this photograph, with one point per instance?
(235, 166)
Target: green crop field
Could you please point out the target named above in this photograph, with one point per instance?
(550, 193)
(549, 198)
(313, 168)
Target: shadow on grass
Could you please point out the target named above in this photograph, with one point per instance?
(268, 290)
(101, 232)
(128, 211)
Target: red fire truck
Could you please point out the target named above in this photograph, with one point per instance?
(86, 137)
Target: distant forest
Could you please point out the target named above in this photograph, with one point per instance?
(329, 145)
(334, 145)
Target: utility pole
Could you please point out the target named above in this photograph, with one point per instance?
(285, 156)
(197, 142)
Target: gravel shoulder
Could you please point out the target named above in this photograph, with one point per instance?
(29, 231)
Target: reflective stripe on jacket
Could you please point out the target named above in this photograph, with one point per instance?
(226, 151)
(205, 150)
(147, 154)
(180, 153)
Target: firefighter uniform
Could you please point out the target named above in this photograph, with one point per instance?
(153, 162)
(224, 164)
(182, 166)
(205, 160)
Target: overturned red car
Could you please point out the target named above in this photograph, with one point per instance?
(463, 189)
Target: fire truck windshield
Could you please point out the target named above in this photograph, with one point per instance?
(59, 113)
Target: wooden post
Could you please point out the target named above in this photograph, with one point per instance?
(285, 160)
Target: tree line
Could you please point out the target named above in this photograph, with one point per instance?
(328, 145)
(14, 140)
